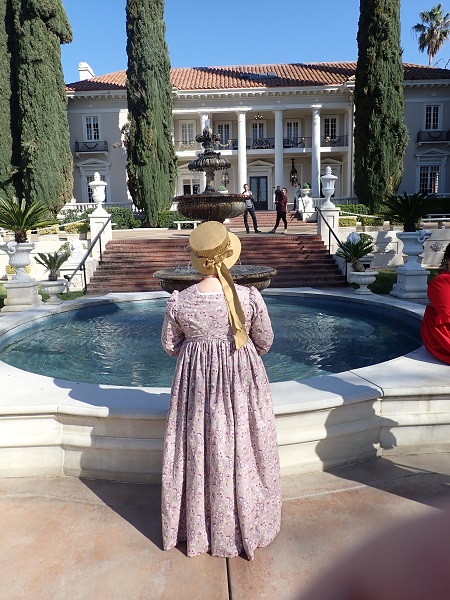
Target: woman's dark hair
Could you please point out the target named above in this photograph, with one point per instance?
(445, 258)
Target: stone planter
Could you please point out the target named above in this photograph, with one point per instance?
(413, 242)
(19, 257)
(53, 289)
(363, 279)
(412, 278)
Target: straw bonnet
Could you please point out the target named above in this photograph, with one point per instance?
(214, 250)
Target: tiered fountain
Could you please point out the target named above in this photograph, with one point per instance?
(211, 206)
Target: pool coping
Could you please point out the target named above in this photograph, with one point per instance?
(322, 422)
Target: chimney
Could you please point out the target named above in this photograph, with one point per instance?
(85, 71)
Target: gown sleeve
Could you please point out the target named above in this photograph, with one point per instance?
(261, 332)
(172, 335)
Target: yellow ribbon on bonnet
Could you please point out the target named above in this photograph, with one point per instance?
(235, 313)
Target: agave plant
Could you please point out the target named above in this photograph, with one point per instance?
(52, 263)
(409, 209)
(19, 217)
(355, 248)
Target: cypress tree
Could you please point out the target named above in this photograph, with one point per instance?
(46, 167)
(380, 133)
(151, 163)
(9, 130)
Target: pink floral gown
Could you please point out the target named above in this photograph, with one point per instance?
(221, 477)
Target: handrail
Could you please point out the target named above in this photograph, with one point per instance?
(82, 265)
(331, 232)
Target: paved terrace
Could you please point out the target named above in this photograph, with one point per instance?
(83, 539)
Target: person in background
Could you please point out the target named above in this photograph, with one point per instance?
(277, 194)
(221, 487)
(250, 209)
(297, 195)
(435, 330)
(281, 207)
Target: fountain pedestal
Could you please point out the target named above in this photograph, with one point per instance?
(212, 206)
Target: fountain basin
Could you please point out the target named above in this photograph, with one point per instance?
(180, 278)
(54, 427)
(211, 206)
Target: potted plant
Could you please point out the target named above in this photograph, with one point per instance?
(409, 209)
(19, 217)
(353, 250)
(222, 189)
(52, 263)
(306, 189)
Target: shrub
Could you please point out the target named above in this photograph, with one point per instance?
(70, 216)
(347, 221)
(359, 209)
(78, 227)
(167, 217)
(372, 221)
(123, 218)
(65, 248)
(52, 229)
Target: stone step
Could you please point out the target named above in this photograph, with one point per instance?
(300, 260)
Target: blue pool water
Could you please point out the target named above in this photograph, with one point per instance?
(119, 344)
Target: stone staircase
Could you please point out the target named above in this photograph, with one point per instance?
(301, 261)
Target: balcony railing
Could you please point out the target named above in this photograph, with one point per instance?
(297, 142)
(95, 146)
(329, 142)
(432, 137)
(265, 143)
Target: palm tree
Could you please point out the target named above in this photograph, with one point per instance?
(433, 31)
(18, 216)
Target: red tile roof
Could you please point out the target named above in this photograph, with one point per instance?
(257, 76)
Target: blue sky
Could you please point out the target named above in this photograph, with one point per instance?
(242, 32)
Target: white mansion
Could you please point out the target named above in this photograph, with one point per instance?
(271, 119)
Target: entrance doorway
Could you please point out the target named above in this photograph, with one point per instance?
(258, 186)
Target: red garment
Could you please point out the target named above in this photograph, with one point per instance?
(435, 329)
(281, 204)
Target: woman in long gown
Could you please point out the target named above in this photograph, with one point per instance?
(436, 320)
(220, 478)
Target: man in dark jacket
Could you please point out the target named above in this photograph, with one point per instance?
(281, 206)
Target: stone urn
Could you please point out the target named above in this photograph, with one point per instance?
(413, 242)
(19, 258)
(363, 279)
(53, 289)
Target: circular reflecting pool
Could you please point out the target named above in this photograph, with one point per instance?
(119, 344)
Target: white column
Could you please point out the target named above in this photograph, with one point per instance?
(242, 151)
(315, 155)
(279, 170)
(350, 126)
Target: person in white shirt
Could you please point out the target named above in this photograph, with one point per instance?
(250, 210)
